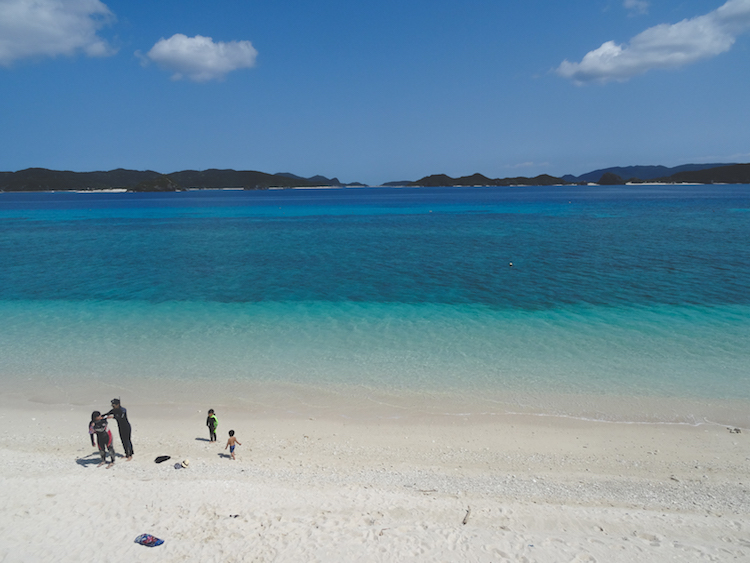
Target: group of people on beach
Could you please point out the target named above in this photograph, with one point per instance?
(99, 427)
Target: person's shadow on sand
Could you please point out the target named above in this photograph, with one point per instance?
(91, 459)
(202, 440)
(227, 456)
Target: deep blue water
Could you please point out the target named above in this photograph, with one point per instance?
(613, 290)
(599, 246)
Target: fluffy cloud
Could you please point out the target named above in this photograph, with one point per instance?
(199, 58)
(47, 28)
(663, 46)
(636, 6)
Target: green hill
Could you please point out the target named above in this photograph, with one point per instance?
(42, 179)
(481, 180)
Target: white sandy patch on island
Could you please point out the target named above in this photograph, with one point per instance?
(504, 488)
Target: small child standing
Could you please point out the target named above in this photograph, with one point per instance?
(212, 422)
(231, 443)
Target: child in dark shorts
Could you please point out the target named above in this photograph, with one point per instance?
(231, 443)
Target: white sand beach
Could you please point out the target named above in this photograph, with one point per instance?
(503, 488)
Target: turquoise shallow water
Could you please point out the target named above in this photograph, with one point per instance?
(617, 298)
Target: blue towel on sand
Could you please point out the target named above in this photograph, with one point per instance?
(148, 540)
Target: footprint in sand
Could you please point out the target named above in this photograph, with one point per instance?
(552, 541)
(688, 549)
(651, 538)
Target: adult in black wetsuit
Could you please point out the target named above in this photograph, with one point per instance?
(120, 414)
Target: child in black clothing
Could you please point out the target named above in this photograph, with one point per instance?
(212, 422)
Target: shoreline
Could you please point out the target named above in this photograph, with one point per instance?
(359, 404)
(336, 187)
(304, 489)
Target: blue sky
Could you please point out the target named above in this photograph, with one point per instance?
(373, 91)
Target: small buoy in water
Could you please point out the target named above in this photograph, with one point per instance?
(511, 264)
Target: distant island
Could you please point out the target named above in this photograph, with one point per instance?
(685, 174)
(42, 179)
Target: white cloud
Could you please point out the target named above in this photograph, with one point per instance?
(47, 28)
(636, 6)
(663, 46)
(199, 58)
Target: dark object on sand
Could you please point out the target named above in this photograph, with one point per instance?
(161, 458)
(148, 540)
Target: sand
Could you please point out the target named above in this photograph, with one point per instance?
(489, 489)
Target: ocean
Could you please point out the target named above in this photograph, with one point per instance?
(623, 303)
